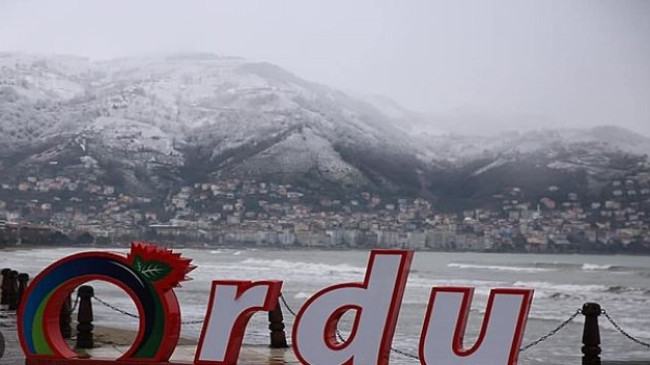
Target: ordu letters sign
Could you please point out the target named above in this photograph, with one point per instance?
(148, 275)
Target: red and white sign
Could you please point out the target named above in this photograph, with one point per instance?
(374, 303)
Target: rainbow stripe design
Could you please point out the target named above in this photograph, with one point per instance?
(148, 274)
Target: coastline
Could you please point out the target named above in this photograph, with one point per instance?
(126, 246)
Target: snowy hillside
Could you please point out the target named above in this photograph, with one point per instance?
(209, 116)
(148, 125)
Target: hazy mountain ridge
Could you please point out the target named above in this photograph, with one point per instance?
(224, 115)
(146, 125)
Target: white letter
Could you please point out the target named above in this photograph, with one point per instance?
(376, 303)
(231, 305)
(501, 334)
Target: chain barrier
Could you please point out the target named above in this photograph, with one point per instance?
(114, 308)
(622, 331)
(286, 305)
(76, 303)
(132, 315)
(553, 332)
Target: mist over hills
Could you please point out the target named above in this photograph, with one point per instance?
(149, 126)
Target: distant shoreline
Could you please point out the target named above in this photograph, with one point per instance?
(315, 249)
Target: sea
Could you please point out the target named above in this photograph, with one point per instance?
(562, 284)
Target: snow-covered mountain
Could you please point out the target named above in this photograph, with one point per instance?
(151, 122)
(148, 125)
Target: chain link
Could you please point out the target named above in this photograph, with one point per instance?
(622, 331)
(198, 321)
(116, 309)
(398, 351)
(132, 315)
(286, 305)
(76, 303)
(553, 332)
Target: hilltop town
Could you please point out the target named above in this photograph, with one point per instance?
(255, 213)
(198, 149)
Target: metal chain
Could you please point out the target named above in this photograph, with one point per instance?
(198, 321)
(405, 354)
(553, 332)
(622, 331)
(340, 337)
(74, 307)
(286, 305)
(108, 305)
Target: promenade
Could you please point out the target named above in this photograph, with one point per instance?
(111, 343)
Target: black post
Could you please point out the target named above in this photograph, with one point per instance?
(4, 299)
(2, 345)
(13, 290)
(85, 318)
(65, 318)
(23, 279)
(276, 325)
(591, 335)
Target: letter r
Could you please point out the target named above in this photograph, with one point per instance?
(231, 305)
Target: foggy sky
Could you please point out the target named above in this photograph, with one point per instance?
(544, 63)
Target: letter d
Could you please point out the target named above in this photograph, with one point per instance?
(376, 303)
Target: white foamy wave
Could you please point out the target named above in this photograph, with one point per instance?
(571, 288)
(551, 317)
(309, 268)
(594, 267)
(302, 295)
(499, 268)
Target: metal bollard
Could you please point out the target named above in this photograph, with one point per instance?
(591, 335)
(13, 290)
(85, 318)
(23, 279)
(276, 325)
(65, 318)
(2, 345)
(4, 299)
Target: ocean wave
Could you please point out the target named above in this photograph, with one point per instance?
(561, 296)
(499, 268)
(562, 288)
(566, 266)
(567, 291)
(596, 267)
(310, 268)
(302, 295)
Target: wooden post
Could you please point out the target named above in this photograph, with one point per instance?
(85, 318)
(4, 299)
(65, 318)
(23, 279)
(591, 335)
(276, 325)
(13, 290)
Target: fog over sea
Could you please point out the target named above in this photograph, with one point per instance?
(562, 283)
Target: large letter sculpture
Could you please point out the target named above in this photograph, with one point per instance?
(375, 302)
(500, 337)
(232, 303)
(147, 274)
